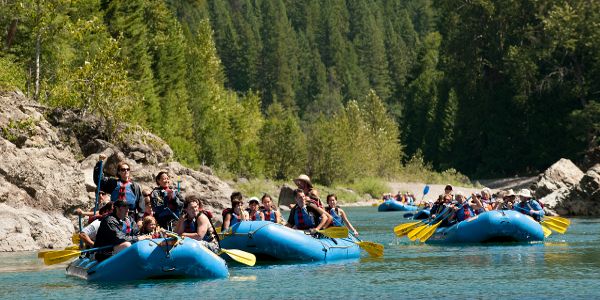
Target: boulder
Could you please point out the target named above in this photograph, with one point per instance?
(286, 196)
(562, 174)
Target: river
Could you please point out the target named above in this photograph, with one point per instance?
(565, 266)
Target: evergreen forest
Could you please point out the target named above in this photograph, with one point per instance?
(336, 89)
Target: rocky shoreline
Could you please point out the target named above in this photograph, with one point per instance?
(48, 158)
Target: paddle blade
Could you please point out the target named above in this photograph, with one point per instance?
(403, 229)
(426, 234)
(240, 256)
(335, 232)
(60, 256)
(566, 222)
(425, 190)
(558, 227)
(415, 232)
(75, 238)
(43, 253)
(374, 249)
(547, 232)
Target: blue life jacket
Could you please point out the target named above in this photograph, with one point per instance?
(528, 206)
(270, 215)
(337, 220)
(190, 226)
(129, 194)
(255, 216)
(234, 219)
(303, 219)
(464, 212)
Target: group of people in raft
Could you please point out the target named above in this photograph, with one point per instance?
(464, 208)
(129, 214)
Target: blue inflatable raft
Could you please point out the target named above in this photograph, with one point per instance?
(157, 258)
(268, 240)
(393, 205)
(492, 226)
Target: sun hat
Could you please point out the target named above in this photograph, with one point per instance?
(303, 178)
(510, 193)
(525, 193)
(253, 200)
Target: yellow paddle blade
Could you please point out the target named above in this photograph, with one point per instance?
(374, 249)
(413, 234)
(558, 227)
(75, 238)
(426, 234)
(566, 222)
(547, 232)
(240, 256)
(43, 253)
(335, 232)
(403, 229)
(60, 256)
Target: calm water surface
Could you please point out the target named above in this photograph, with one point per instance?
(565, 266)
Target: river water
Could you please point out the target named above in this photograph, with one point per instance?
(565, 266)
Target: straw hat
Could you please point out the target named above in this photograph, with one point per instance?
(304, 178)
(525, 193)
(510, 193)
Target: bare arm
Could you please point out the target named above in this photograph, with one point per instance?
(226, 222)
(325, 217)
(347, 222)
(201, 230)
(86, 239)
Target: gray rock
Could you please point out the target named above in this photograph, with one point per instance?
(562, 174)
(286, 196)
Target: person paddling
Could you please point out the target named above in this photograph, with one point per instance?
(196, 224)
(167, 201)
(122, 188)
(338, 215)
(306, 215)
(528, 205)
(119, 230)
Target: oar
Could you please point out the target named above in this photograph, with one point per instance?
(240, 256)
(334, 232)
(547, 232)
(42, 253)
(374, 249)
(556, 226)
(75, 238)
(566, 222)
(98, 188)
(405, 228)
(420, 231)
(59, 256)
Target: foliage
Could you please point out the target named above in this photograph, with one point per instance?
(370, 185)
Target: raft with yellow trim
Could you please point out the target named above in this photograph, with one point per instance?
(157, 258)
(393, 205)
(272, 241)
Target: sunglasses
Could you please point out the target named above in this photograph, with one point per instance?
(124, 170)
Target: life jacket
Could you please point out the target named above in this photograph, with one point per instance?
(124, 191)
(270, 215)
(126, 229)
(255, 216)
(337, 219)
(190, 226)
(303, 219)
(464, 212)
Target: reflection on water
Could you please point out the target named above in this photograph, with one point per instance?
(565, 266)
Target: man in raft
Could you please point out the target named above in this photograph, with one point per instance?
(119, 230)
(303, 183)
(306, 215)
(528, 205)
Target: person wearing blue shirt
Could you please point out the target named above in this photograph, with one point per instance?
(462, 208)
(528, 205)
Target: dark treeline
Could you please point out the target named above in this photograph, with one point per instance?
(336, 89)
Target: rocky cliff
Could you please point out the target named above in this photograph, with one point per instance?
(46, 170)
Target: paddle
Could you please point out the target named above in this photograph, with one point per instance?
(59, 256)
(334, 232)
(43, 253)
(81, 228)
(374, 249)
(564, 221)
(98, 188)
(75, 238)
(425, 192)
(240, 256)
(556, 226)
(547, 232)
(422, 230)
(403, 229)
